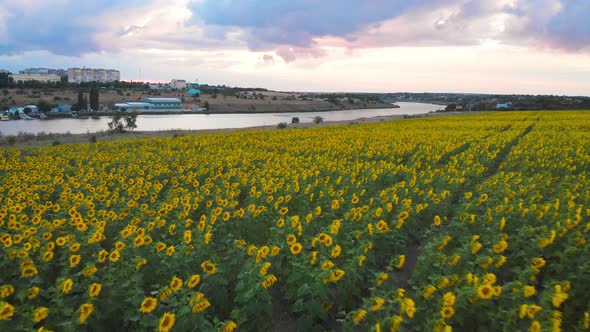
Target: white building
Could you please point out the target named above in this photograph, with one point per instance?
(79, 75)
(35, 77)
(178, 84)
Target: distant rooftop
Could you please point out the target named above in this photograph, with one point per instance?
(161, 100)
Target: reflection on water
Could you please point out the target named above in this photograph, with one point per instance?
(204, 121)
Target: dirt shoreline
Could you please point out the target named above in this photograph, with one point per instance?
(32, 141)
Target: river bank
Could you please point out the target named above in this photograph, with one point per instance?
(229, 111)
(24, 140)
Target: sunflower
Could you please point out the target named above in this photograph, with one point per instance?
(165, 294)
(535, 326)
(29, 271)
(403, 215)
(33, 292)
(377, 303)
(66, 286)
(296, 248)
(264, 268)
(335, 276)
(201, 305)
(291, 239)
(485, 291)
(148, 305)
(447, 312)
(483, 198)
(336, 251)
(208, 267)
(188, 235)
(86, 310)
(75, 247)
(175, 284)
(138, 241)
(449, 299)
(437, 220)
(141, 263)
(114, 256)
(40, 314)
(476, 247)
(89, 271)
(60, 241)
(170, 251)
(275, 251)
(408, 306)
(401, 261)
(166, 322)
(317, 210)
(382, 226)
(428, 291)
(229, 326)
(335, 204)
(75, 260)
(538, 263)
(160, 246)
(269, 280)
(193, 281)
(396, 322)
(6, 310)
(102, 256)
(359, 316)
(94, 289)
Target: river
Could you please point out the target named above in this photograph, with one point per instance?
(204, 121)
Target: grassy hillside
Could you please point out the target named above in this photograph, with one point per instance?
(222, 102)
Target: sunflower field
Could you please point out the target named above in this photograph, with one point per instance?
(470, 223)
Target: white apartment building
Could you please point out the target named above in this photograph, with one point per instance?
(178, 84)
(78, 75)
(35, 77)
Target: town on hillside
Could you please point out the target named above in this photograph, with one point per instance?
(44, 93)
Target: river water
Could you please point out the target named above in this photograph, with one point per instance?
(204, 121)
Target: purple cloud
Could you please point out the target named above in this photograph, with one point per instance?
(570, 28)
(290, 28)
(296, 23)
(63, 28)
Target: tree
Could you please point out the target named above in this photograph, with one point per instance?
(123, 121)
(207, 105)
(131, 122)
(44, 106)
(116, 123)
(94, 99)
(80, 103)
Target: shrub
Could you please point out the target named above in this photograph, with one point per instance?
(56, 143)
(282, 125)
(295, 120)
(11, 139)
(92, 139)
(318, 119)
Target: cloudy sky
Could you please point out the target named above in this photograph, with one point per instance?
(495, 46)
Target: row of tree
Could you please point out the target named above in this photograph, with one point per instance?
(83, 101)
